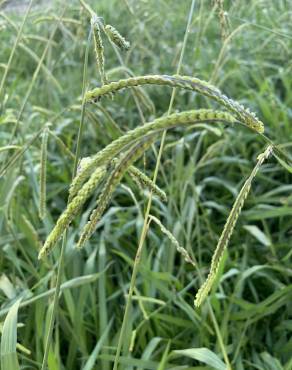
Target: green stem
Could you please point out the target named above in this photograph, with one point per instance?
(19, 34)
(18, 154)
(55, 302)
(34, 77)
(147, 213)
(219, 336)
(64, 241)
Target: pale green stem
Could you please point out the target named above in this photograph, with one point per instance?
(147, 213)
(64, 240)
(19, 34)
(35, 75)
(55, 303)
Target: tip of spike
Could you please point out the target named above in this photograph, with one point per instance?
(260, 127)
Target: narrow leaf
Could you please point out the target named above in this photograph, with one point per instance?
(9, 359)
(203, 355)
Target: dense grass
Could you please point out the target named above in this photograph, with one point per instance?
(246, 323)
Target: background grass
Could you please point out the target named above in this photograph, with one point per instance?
(201, 173)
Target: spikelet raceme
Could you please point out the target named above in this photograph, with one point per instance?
(173, 240)
(32, 231)
(159, 124)
(145, 99)
(98, 47)
(113, 180)
(82, 163)
(116, 37)
(138, 176)
(222, 19)
(62, 145)
(144, 181)
(228, 230)
(185, 82)
(72, 209)
(43, 174)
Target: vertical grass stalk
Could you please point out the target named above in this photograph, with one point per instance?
(35, 75)
(64, 240)
(147, 213)
(43, 173)
(16, 42)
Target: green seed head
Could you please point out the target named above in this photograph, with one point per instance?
(98, 47)
(184, 82)
(116, 37)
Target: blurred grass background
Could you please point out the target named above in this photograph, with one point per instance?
(201, 172)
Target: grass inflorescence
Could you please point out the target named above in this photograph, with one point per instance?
(184, 82)
(228, 230)
(95, 167)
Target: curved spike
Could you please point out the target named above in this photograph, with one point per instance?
(185, 82)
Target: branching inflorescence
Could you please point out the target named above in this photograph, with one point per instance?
(159, 124)
(95, 168)
(114, 179)
(113, 35)
(106, 169)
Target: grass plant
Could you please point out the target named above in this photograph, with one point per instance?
(84, 101)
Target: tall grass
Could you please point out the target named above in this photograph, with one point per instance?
(80, 122)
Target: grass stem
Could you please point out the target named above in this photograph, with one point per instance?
(147, 213)
(64, 240)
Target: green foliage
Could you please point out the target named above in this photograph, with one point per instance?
(9, 359)
(247, 317)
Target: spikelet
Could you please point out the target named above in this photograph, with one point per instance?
(82, 163)
(144, 181)
(185, 82)
(113, 180)
(98, 46)
(32, 231)
(222, 19)
(72, 209)
(228, 230)
(62, 145)
(159, 124)
(173, 240)
(75, 186)
(145, 99)
(43, 174)
(116, 37)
